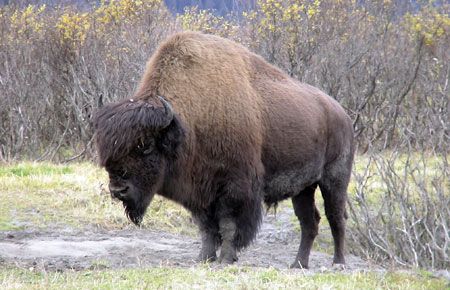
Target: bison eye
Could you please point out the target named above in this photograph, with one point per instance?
(145, 148)
(140, 147)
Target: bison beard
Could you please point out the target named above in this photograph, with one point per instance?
(217, 129)
(135, 212)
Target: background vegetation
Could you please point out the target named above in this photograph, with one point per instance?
(389, 68)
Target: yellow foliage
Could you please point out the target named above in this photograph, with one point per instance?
(73, 26)
(292, 12)
(250, 15)
(281, 15)
(27, 21)
(203, 20)
(271, 11)
(122, 11)
(431, 25)
(313, 9)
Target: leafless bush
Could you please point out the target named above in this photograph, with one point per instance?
(400, 212)
(51, 80)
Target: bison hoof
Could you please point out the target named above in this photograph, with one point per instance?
(203, 258)
(298, 265)
(338, 267)
(228, 259)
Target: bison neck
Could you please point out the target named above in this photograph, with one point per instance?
(179, 186)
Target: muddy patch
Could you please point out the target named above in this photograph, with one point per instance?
(275, 246)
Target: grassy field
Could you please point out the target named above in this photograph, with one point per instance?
(49, 197)
(204, 277)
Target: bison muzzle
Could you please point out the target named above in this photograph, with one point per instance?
(217, 129)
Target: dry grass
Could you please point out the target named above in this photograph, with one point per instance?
(204, 277)
(46, 195)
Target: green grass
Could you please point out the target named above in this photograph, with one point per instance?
(204, 277)
(416, 170)
(34, 169)
(44, 195)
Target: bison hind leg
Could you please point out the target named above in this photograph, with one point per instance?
(333, 186)
(309, 217)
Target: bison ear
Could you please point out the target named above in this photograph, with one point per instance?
(170, 138)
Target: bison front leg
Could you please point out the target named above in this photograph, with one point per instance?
(209, 231)
(239, 215)
(228, 251)
(208, 251)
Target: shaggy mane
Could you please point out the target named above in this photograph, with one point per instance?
(119, 127)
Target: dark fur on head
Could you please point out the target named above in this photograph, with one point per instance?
(120, 126)
(136, 141)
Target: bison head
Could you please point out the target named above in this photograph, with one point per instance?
(136, 142)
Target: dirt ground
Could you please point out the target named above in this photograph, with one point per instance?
(276, 246)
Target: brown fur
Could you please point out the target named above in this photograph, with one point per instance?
(243, 131)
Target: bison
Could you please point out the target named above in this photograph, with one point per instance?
(217, 129)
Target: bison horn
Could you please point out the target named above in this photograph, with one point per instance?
(168, 110)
